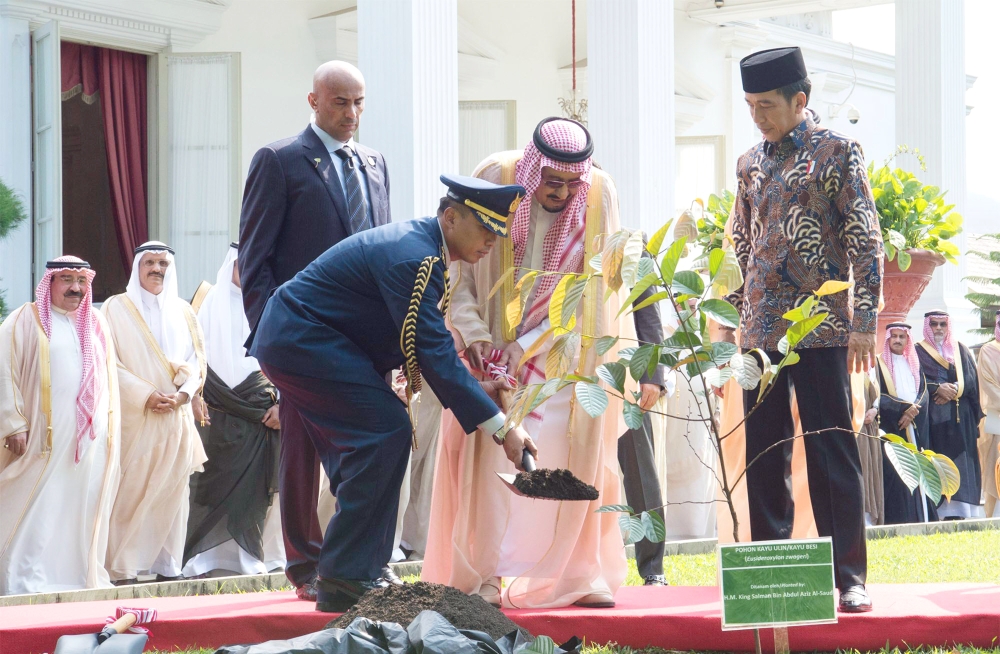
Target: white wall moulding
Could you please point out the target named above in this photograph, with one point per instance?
(141, 25)
(733, 10)
(47, 132)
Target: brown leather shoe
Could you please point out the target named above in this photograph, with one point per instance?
(307, 591)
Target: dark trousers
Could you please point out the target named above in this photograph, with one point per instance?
(823, 392)
(642, 490)
(298, 492)
(362, 437)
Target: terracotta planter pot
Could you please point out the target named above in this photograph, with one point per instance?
(901, 290)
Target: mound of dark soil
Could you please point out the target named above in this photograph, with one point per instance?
(401, 604)
(558, 484)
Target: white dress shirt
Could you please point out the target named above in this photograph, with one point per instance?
(152, 306)
(906, 390)
(332, 145)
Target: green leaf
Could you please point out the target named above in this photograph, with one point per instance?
(668, 264)
(790, 359)
(595, 263)
(592, 398)
(832, 286)
(722, 352)
(721, 312)
(630, 258)
(682, 340)
(639, 363)
(652, 299)
(688, 281)
(904, 461)
(799, 330)
(903, 259)
(646, 267)
(500, 282)
(632, 528)
(783, 344)
(615, 508)
(715, 259)
(746, 371)
(948, 472)
(717, 377)
(572, 300)
(638, 290)
(930, 479)
(605, 343)
(557, 300)
(632, 414)
(613, 374)
(656, 241)
(653, 528)
(542, 645)
(560, 356)
(698, 367)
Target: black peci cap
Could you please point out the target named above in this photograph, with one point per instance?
(768, 70)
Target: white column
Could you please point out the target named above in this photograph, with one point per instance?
(741, 133)
(408, 53)
(630, 75)
(930, 115)
(15, 149)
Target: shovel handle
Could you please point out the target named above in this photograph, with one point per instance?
(117, 627)
(505, 399)
(527, 461)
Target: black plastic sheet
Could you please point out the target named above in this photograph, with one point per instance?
(429, 633)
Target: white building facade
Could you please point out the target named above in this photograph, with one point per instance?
(450, 81)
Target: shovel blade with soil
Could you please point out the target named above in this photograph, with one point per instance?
(544, 484)
(547, 484)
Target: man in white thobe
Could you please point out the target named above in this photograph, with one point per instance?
(161, 366)
(61, 438)
(235, 522)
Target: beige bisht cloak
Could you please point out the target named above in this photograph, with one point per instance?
(159, 450)
(26, 406)
(989, 439)
(470, 506)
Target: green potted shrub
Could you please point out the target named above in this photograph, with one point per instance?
(916, 227)
(12, 213)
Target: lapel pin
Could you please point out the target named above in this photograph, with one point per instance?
(371, 160)
(317, 160)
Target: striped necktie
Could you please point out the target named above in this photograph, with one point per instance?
(357, 206)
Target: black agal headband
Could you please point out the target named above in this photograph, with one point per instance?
(153, 247)
(56, 265)
(562, 155)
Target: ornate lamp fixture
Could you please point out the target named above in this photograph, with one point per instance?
(572, 107)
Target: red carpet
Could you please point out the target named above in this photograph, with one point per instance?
(672, 617)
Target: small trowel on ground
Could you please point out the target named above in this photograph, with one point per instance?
(111, 639)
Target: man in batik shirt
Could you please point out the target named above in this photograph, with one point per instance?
(804, 215)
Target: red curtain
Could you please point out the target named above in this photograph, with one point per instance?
(120, 79)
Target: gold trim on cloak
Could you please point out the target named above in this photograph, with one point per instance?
(959, 373)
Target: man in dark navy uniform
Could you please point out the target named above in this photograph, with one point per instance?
(329, 338)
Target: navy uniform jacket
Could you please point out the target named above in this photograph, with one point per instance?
(340, 318)
(294, 209)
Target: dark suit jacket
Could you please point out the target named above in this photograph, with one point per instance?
(294, 209)
(340, 319)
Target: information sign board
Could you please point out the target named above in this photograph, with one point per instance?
(777, 583)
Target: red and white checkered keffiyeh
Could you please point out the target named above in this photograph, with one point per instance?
(909, 352)
(563, 246)
(950, 346)
(142, 616)
(93, 348)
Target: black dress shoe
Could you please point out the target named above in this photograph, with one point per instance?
(307, 591)
(854, 599)
(125, 582)
(339, 595)
(655, 580)
(390, 576)
(163, 578)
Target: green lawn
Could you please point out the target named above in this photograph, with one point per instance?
(970, 556)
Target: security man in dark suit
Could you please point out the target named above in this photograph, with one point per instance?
(330, 338)
(303, 195)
